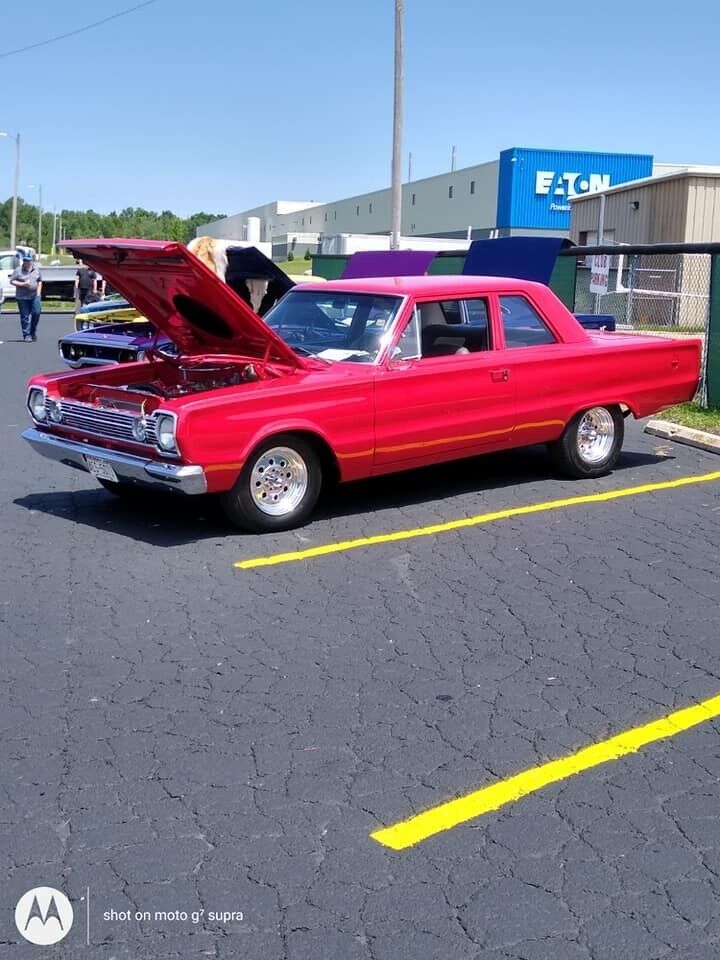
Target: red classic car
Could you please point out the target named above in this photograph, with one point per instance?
(342, 380)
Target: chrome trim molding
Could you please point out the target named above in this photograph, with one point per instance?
(111, 422)
(185, 478)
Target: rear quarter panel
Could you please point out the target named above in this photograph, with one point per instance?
(643, 373)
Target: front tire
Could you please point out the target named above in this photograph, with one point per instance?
(277, 488)
(590, 444)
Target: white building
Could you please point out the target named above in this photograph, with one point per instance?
(523, 191)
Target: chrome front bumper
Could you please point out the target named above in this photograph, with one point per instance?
(87, 362)
(129, 469)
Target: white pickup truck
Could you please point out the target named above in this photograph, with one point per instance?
(58, 279)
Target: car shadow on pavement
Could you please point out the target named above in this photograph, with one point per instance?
(512, 468)
(167, 520)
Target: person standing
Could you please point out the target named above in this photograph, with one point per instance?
(85, 283)
(27, 281)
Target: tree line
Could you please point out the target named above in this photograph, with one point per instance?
(130, 222)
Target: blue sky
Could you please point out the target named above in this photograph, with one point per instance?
(225, 105)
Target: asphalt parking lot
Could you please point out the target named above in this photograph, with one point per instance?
(182, 736)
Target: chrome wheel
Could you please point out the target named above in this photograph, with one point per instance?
(278, 481)
(595, 435)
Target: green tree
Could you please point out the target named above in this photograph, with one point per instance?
(130, 222)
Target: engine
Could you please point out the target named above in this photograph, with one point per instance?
(197, 378)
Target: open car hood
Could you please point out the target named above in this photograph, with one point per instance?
(187, 301)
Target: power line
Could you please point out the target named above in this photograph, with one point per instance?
(74, 33)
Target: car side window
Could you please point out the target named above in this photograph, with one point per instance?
(408, 346)
(523, 325)
(477, 313)
(446, 330)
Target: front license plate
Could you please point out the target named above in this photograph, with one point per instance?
(100, 468)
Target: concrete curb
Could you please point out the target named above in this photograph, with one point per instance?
(675, 431)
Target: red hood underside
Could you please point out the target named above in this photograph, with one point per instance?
(183, 298)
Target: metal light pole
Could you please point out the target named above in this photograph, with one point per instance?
(396, 190)
(13, 221)
(40, 214)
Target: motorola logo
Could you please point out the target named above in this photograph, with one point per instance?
(44, 916)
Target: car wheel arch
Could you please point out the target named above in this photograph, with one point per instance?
(625, 407)
(323, 447)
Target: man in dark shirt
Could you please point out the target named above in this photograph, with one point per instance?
(85, 283)
(28, 286)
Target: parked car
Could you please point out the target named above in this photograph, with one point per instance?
(113, 309)
(114, 331)
(344, 380)
(111, 343)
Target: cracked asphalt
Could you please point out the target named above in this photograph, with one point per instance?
(180, 735)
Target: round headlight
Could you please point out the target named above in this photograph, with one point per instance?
(36, 403)
(140, 355)
(85, 325)
(55, 411)
(138, 429)
(166, 433)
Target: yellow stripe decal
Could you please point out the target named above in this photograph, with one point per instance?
(448, 815)
(398, 535)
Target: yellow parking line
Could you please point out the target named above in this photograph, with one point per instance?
(475, 521)
(448, 815)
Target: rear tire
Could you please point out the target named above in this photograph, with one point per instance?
(590, 444)
(277, 488)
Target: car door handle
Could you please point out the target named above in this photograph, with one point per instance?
(498, 376)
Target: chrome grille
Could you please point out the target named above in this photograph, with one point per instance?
(101, 421)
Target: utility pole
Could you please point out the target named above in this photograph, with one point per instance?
(409, 167)
(38, 186)
(55, 220)
(16, 189)
(40, 215)
(452, 158)
(396, 190)
(600, 240)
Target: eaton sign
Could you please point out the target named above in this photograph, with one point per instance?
(535, 186)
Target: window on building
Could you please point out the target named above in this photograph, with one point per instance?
(357, 210)
(450, 193)
(472, 187)
(310, 219)
(326, 218)
(412, 228)
(370, 208)
(303, 221)
(336, 214)
(413, 200)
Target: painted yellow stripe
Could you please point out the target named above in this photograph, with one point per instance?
(449, 815)
(398, 535)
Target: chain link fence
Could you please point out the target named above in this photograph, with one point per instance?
(663, 293)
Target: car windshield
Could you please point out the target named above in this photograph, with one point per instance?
(335, 325)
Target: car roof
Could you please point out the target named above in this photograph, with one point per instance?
(449, 285)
